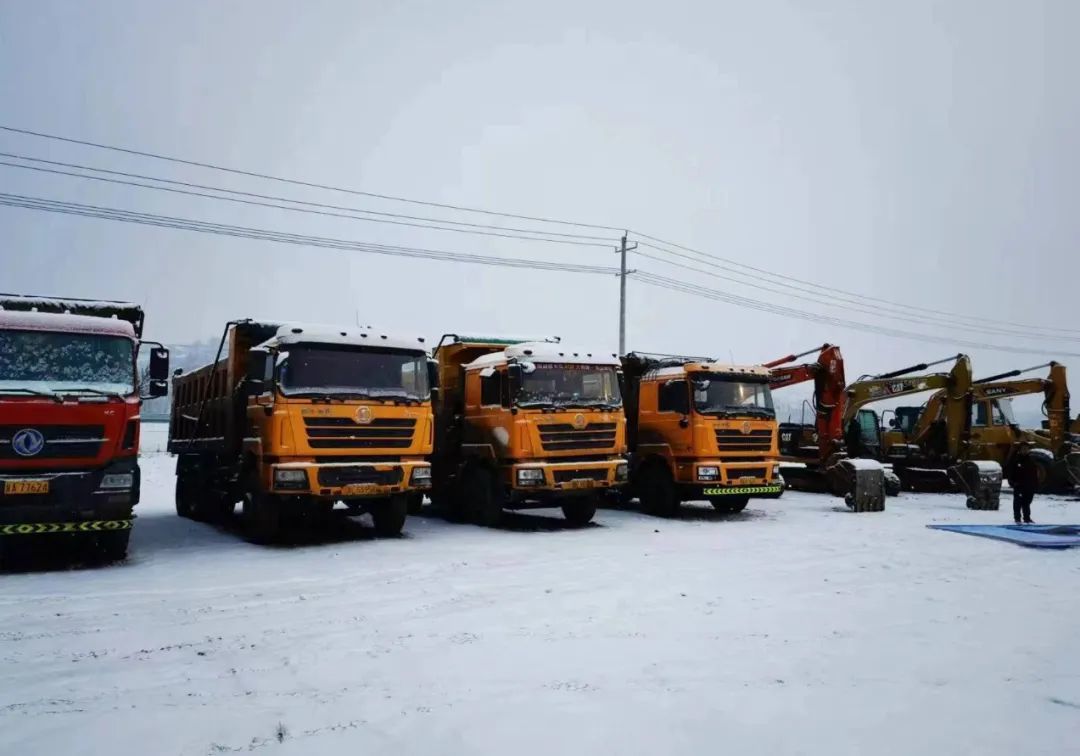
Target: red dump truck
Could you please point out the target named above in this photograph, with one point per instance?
(69, 420)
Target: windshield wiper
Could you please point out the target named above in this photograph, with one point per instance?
(87, 389)
(398, 396)
(32, 392)
(534, 404)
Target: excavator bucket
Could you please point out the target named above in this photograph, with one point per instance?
(861, 482)
(981, 481)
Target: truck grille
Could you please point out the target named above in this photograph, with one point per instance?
(564, 437)
(733, 440)
(61, 441)
(344, 476)
(561, 476)
(346, 433)
(734, 473)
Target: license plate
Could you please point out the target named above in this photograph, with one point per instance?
(584, 483)
(13, 487)
(358, 489)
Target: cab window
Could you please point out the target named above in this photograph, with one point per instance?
(491, 389)
(673, 397)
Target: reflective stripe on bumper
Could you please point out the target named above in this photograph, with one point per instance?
(33, 528)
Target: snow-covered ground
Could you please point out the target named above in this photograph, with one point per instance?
(796, 627)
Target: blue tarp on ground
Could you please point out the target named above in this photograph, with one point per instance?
(1032, 536)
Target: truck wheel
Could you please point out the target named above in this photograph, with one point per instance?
(729, 504)
(112, 546)
(483, 497)
(579, 512)
(262, 517)
(184, 496)
(389, 516)
(657, 492)
(416, 503)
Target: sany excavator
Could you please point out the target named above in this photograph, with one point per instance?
(993, 432)
(942, 461)
(827, 466)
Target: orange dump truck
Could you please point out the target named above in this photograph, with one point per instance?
(297, 418)
(525, 424)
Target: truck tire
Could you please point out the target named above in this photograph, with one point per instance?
(112, 546)
(483, 499)
(657, 491)
(185, 496)
(262, 517)
(579, 512)
(389, 516)
(416, 503)
(729, 504)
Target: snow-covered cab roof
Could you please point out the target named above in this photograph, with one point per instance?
(97, 308)
(752, 372)
(544, 352)
(14, 320)
(311, 333)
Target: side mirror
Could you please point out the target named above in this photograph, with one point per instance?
(513, 376)
(157, 371)
(260, 371)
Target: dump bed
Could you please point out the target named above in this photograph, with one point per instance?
(208, 412)
(127, 311)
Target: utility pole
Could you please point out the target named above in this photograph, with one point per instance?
(623, 249)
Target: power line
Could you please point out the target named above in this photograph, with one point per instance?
(298, 182)
(663, 282)
(877, 313)
(188, 224)
(308, 206)
(667, 246)
(830, 290)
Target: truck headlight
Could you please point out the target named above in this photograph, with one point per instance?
(117, 480)
(290, 478)
(421, 476)
(776, 471)
(708, 472)
(622, 471)
(530, 476)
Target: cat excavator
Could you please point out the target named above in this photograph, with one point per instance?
(994, 433)
(822, 465)
(941, 461)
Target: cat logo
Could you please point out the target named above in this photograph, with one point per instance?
(746, 428)
(579, 421)
(363, 415)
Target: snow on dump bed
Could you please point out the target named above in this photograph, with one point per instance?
(316, 333)
(796, 627)
(18, 320)
(545, 352)
(677, 371)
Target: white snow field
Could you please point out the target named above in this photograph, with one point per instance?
(796, 627)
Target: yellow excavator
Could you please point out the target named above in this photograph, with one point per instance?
(940, 461)
(992, 429)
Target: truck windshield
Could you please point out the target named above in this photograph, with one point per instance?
(570, 386)
(48, 362)
(730, 395)
(366, 373)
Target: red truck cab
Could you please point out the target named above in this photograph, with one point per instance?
(69, 420)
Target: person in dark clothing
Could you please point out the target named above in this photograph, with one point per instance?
(1023, 475)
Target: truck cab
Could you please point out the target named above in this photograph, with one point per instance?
(69, 419)
(526, 424)
(700, 430)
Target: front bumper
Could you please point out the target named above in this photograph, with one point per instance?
(758, 480)
(73, 503)
(341, 481)
(566, 477)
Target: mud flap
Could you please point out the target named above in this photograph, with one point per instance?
(861, 482)
(981, 481)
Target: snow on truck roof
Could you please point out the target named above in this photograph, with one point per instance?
(676, 371)
(315, 333)
(16, 320)
(544, 352)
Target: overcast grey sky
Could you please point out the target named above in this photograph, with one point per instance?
(922, 152)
